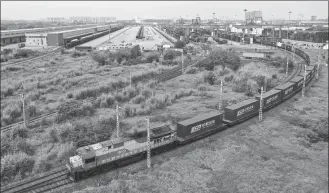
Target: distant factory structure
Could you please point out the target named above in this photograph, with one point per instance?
(59, 38)
(254, 17)
(81, 19)
(313, 18)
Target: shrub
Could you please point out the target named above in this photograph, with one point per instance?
(53, 134)
(128, 111)
(146, 93)
(274, 76)
(135, 52)
(12, 112)
(69, 95)
(72, 108)
(192, 70)
(32, 110)
(19, 131)
(106, 101)
(26, 147)
(139, 99)
(7, 92)
(102, 58)
(179, 44)
(152, 57)
(24, 53)
(209, 78)
(202, 88)
(228, 78)
(52, 62)
(76, 54)
(13, 164)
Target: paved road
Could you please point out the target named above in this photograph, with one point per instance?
(130, 37)
(102, 39)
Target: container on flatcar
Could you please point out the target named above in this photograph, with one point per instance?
(198, 125)
(312, 69)
(287, 90)
(270, 98)
(240, 110)
(308, 75)
(298, 81)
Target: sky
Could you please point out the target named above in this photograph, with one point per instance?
(30, 10)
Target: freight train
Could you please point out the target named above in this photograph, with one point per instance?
(140, 33)
(112, 154)
(87, 38)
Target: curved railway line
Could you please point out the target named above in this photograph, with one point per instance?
(58, 177)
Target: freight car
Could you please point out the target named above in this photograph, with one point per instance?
(112, 154)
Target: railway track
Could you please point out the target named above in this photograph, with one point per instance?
(39, 184)
(32, 59)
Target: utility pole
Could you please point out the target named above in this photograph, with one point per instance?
(287, 66)
(245, 11)
(118, 123)
(261, 105)
(318, 67)
(303, 90)
(265, 81)
(220, 96)
(130, 78)
(182, 62)
(110, 35)
(148, 143)
(288, 25)
(24, 112)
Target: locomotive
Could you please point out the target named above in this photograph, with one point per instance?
(112, 154)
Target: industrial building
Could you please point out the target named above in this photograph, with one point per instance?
(254, 17)
(60, 38)
(17, 36)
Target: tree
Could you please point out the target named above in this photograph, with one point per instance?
(179, 44)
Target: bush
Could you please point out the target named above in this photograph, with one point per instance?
(202, 88)
(31, 110)
(7, 92)
(19, 131)
(106, 101)
(228, 78)
(209, 78)
(179, 44)
(72, 108)
(69, 95)
(147, 93)
(12, 112)
(25, 53)
(274, 76)
(26, 147)
(63, 51)
(102, 58)
(171, 54)
(139, 99)
(76, 54)
(13, 164)
(152, 57)
(191, 70)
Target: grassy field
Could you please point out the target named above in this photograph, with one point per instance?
(47, 84)
(287, 152)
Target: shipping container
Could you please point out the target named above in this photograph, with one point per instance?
(240, 111)
(270, 98)
(312, 69)
(197, 126)
(298, 81)
(287, 90)
(308, 75)
(55, 39)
